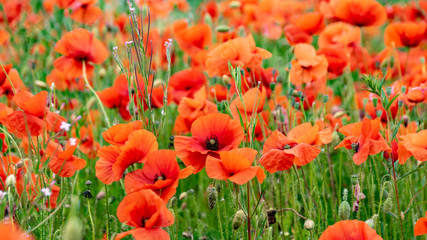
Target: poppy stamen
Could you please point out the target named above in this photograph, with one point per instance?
(212, 143)
(355, 147)
(159, 177)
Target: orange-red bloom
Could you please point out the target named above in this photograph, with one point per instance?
(160, 173)
(85, 11)
(350, 230)
(413, 144)
(405, 34)
(119, 133)
(360, 12)
(364, 138)
(308, 66)
(11, 231)
(239, 52)
(147, 212)
(234, 165)
(211, 134)
(79, 46)
(185, 83)
(421, 226)
(117, 96)
(62, 161)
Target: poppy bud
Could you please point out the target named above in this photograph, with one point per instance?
(344, 210)
(208, 19)
(375, 102)
(73, 229)
(272, 86)
(400, 103)
(379, 113)
(403, 89)
(10, 180)
(388, 205)
(183, 196)
(371, 221)
(222, 28)
(325, 98)
(235, 4)
(296, 105)
(309, 224)
(339, 114)
(19, 164)
(402, 215)
(88, 183)
(102, 72)
(100, 195)
(212, 197)
(388, 91)
(40, 84)
(238, 219)
(173, 202)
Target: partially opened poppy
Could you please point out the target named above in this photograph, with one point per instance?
(364, 138)
(160, 173)
(360, 12)
(7, 87)
(239, 52)
(147, 212)
(421, 226)
(350, 230)
(119, 133)
(85, 11)
(185, 83)
(251, 103)
(8, 167)
(281, 152)
(79, 46)
(211, 134)
(117, 96)
(234, 165)
(308, 66)
(114, 161)
(417, 94)
(62, 161)
(405, 34)
(413, 144)
(34, 117)
(294, 35)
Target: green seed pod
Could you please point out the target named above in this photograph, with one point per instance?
(354, 179)
(309, 224)
(272, 86)
(212, 197)
(222, 28)
(73, 229)
(344, 210)
(238, 219)
(208, 19)
(388, 205)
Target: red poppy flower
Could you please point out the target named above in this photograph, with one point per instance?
(117, 96)
(308, 66)
(62, 161)
(160, 173)
(88, 145)
(421, 226)
(13, 231)
(147, 212)
(350, 230)
(211, 134)
(311, 23)
(336, 61)
(119, 133)
(405, 34)
(360, 12)
(294, 35)
(3, 146)
(77, 46)
(8, 167)
(340, 33)
(251, 103)
(34, 117)
(63, 81)
(413, 144)
(85, 11)
(185, 83)
(113, 161)
(365, 138)
(5, 86)
(234, 165)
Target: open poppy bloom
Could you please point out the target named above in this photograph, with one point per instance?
(350, 230)
(311, 23)
(77, 46)
(117, 96)
(5, 86)
(239, 51)
(186, 83)
(147, 212)
(160, 173)
(360, 12)
(294, 35)
(413, 144)
(405, 34)
(34, 117)
(63, 81)
(416, 94)
(62, 161)
(308, 66)
(113, 161)
(421, 226)
(211, 134)
(234, 165)
(119, 133)
(281, 152)
(251, 103)
(85, 11)
(190, 109)
(364, 138)
(341, 34)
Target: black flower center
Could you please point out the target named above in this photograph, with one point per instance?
(159, 177)
(212, 143)
(355, 147)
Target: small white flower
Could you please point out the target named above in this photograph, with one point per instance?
(65, 126)
(46, 192)
(73, 141)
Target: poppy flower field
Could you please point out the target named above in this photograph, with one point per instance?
(214, 119)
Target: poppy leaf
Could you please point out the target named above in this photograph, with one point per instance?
(396, 130)
(391, 102)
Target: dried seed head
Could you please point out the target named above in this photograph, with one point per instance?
(309, 224)
(183, 196)
(238, 219)
(388, 205)
(344, 210)
(212, 197)
(271, 216)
